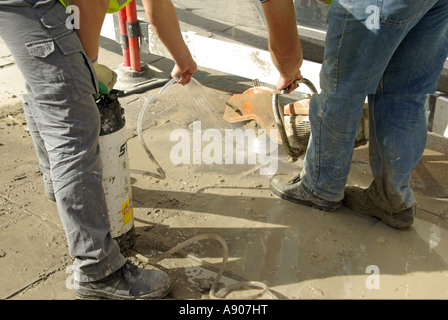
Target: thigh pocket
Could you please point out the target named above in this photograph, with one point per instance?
(63, 66)
(398, 12)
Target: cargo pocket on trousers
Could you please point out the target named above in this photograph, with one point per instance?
(40, 48)
(71, 45)
(49, 63)
(67, 72)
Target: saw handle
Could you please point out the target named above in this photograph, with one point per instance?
(278, 115)
(305, 81)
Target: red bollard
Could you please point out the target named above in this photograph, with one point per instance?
(124, 37)
(133, 37)
(133, 75)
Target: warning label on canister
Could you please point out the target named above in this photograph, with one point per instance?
(126, 210)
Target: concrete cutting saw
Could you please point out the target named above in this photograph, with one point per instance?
(288, 114)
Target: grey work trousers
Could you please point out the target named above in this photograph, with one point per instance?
(64, 123)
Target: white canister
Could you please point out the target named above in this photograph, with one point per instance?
(117, 186)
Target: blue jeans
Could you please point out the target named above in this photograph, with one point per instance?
(392, 52)
(64, 123)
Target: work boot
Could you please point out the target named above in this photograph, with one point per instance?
(128, 282)
(293, 190)
(370, 203)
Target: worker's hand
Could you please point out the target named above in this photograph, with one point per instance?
(184, 70)
(289, 84)
(107, 78)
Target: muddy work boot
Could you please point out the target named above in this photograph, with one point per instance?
(129, 282)
(370, 203)
(292, 190)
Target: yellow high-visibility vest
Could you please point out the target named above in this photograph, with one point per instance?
(114, 5)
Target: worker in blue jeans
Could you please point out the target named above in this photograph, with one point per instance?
(60, 67)
(391, 51)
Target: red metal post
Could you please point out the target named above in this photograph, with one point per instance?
(134, 47)
(124, 37)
